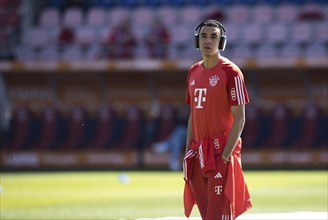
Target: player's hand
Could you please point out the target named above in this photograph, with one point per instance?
(225, 160)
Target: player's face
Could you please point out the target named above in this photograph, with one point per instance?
(209, 38)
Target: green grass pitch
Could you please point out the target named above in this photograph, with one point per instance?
(103, 195)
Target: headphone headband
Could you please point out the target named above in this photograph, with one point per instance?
(210, 21)
(223, 38)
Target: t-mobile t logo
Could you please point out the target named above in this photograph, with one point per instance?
(200, 97)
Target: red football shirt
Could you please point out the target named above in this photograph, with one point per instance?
(210, 94)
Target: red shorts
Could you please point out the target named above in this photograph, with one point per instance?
(208, 190)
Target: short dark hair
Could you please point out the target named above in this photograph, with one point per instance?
(212, 23)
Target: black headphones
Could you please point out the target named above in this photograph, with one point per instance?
(223, 38)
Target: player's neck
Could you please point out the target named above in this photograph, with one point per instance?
(211, 61)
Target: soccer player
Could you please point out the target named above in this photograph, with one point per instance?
(217, 95)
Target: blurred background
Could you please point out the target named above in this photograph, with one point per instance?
(100, 84)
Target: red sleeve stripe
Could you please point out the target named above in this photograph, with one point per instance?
(240, 90)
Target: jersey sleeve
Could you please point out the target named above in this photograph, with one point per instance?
(237, 93)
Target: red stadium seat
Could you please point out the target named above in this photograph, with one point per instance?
(252, 129)
(21, 129)
(166, 122)
(133, 129)
(309, 130)
(49, 130)
(279, 129)
(76, 130)
(105, 129)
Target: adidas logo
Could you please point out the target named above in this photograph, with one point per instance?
(218, 176)
(192, 83)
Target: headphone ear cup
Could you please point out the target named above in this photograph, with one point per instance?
(196, 41)
(223, 42)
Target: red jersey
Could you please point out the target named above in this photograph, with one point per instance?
(210, 94)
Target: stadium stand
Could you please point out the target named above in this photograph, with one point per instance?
(129, 101)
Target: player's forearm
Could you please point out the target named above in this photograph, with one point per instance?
(235, 132)
(189, 133)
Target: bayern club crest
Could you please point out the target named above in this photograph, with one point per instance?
(214, 80)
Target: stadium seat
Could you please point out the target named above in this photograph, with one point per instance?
(233, 33)
(37, 38)
(181, 36)
(189, 52)
(50, 18)
(252, 34)
(49, 130)
(23, 53)
(276, 34)
(252, 129)
(165, 123)
(117, 15)
(73, 17)
(93, 52)
(279, 129)
(96, 17)
(103, 34)
(168, 15)
(142, 16)
(321, 32)
(263, 14)
(134, 124)
(301, 33)
(72, 54)
(265, 51)
(76, 130)
(21, 128)
(287, 13)
(48, 54)
(187, 19)
(86, 36)
(308, 131)
(241, 52)
(239, 14)
(106, 129)
(291, 51)
(316, 50)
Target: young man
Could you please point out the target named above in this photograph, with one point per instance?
(217, 96)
